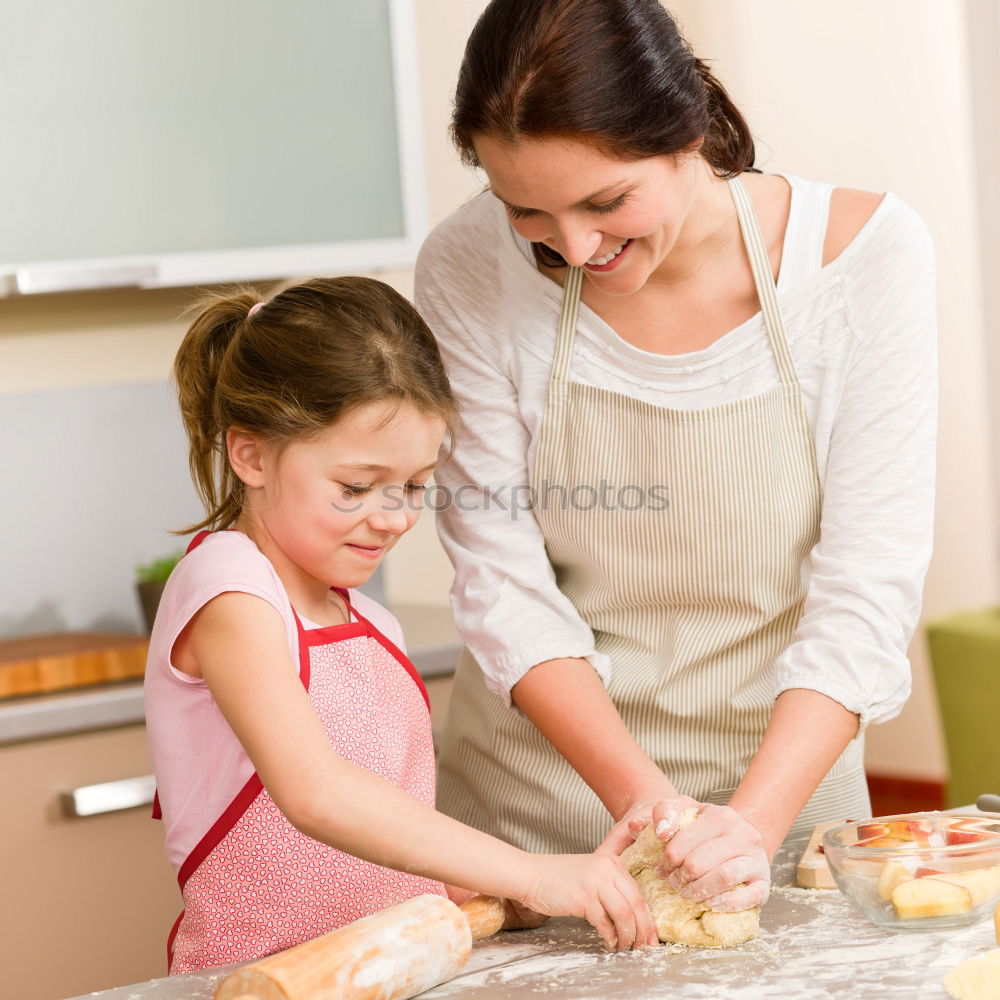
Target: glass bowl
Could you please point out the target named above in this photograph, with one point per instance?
(919, 871)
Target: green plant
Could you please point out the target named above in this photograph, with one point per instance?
(157, 570)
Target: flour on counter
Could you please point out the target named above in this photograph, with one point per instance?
(812, 945)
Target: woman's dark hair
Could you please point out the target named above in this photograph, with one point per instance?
(616, 73)
(290, 367)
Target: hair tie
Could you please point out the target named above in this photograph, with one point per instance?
(254, 309)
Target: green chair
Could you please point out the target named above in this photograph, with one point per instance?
(965, 660)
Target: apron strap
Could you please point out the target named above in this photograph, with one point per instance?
(760, 264)
(567, 325)
(197, 540)
(767, 294)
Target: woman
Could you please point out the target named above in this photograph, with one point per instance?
(715, 390)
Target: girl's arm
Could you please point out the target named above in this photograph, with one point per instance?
(239, 643)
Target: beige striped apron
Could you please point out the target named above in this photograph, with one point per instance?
(692, 585)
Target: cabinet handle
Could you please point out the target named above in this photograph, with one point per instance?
(109, 796)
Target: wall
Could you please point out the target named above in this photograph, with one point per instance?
(879, 96)
(889, 106)
(983, 32)
(127, 337)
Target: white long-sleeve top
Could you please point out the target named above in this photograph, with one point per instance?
(862, 332)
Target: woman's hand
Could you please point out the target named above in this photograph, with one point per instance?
(624, 832)
(596, 887)
(719, 858)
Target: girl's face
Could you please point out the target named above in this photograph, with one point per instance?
(618, 219)
(328, 508)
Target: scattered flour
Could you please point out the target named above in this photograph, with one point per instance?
(812, 946)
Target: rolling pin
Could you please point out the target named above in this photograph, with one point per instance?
(391, 955)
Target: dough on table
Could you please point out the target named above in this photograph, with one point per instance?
(678, 920)
(975, 979)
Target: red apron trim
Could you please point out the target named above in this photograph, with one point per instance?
(170, 939)
(208, 843)
(220, 827)
(197, 540)
(391, 647)
(241, 802)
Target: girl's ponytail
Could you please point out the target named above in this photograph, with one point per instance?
(219, 320)
(292, 366)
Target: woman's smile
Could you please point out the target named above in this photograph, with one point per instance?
(610, 260)
(579, 201)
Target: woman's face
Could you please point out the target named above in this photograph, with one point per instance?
(618, 219)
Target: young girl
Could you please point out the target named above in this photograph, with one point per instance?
(290, 734)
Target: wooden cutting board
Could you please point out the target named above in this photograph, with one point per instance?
(812, 871)
(42, 663)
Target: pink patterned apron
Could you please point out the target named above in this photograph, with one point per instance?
(254, 884)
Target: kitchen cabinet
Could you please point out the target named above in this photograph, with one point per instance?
(88, 902)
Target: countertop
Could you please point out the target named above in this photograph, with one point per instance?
(432, 643)
(811, 945)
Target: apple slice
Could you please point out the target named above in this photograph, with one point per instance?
(930, 897)
(892, 874)
(908, 829)
(883, 842)
(975, 978)
(996, 922)
(965, 837)
(983, 884)
(924, 872)
(866, 831)
(975, 821)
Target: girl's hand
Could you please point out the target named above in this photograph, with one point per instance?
(596, 887)
(520, 917)
(624, 832)
(719, 858)
(517, 917)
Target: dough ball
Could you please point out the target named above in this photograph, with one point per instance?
(678, 920)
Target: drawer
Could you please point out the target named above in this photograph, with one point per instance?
(94, 897)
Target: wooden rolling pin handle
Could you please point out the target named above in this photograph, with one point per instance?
(486, 915)
(397, 953)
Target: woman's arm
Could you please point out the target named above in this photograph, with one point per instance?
(240, 646)
(806, 734)
(847, 663)
(478, 309)
(587, 730)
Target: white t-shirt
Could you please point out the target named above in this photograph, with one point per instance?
(862, 332)
(199, 763)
